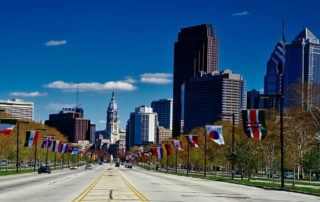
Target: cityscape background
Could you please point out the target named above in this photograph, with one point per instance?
(42, 42)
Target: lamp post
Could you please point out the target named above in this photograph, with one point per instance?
(47, 151)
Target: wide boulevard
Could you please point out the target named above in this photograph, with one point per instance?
(108, 183)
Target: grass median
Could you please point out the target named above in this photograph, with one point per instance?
(262, 183)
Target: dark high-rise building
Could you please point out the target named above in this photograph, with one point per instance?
(164, 108)
(70, 122)
(196, 50)
(253, 100)
(213, 97)
(302, 62)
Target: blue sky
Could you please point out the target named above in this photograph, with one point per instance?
(50, 48)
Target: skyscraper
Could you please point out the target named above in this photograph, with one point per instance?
(164, 108)
(273, 81)
(113, 121)
(302, 61)
(70, 122)
(142, 127)
(213, 97)
(197, 49)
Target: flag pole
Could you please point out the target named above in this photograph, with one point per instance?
(47, 143)
(167, 162)
(62, 160)
(205, 155)
(55, 160)
(188, 158)
(17, 165)
(176, 161)
(35, 157)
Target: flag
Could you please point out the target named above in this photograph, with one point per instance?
(31, 138)
(193, 140)
(64, 148)
(159, 153)
(215, 133)
(254, 123)
(155, 152)
(146, 154)
(169, 150)
(57, 145)
(164, 149)
(178, 145)
(7, 125)
(47, 141)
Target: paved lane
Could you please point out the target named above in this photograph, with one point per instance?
(165, 187)
(111, 186)
(62, 185)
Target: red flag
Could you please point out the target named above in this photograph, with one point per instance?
(178, 145)
(193, 140)
(169, 150)
(155, 152)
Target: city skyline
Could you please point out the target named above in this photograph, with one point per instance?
(90, 48)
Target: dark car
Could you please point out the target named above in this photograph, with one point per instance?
(100, 163)
(117, 164)
(44, 169)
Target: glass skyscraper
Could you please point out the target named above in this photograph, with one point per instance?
(302, 61)
(273, 81)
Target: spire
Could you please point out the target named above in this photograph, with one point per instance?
(112, 94)
(283, 39)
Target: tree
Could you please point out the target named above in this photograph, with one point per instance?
(246, 159)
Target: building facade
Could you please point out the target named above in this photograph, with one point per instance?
(70, 122)
(164, 108)
(196, 50)
(254, 100)
(213, 97)
(17, 108)
(302, 62)
(141, 127)
(112, 128)
(92, 133)
(163, 134)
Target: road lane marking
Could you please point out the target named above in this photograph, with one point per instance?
(102, 189)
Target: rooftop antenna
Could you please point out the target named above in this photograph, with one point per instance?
(283, 39)
(77, 97)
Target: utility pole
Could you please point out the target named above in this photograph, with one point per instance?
(232, 154)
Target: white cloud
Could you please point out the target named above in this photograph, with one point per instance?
(55, 42)
(240, 14)
(129, 79)
(102, 121)
(156, 78)
(25, 94)
(92, 86)
(58, 106)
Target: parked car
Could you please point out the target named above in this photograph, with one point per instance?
(73, 168)
(88, 167)
(44, 169)
(275, 175)
(288, 175)
(129, 165)
(117, 164)
(100, 163)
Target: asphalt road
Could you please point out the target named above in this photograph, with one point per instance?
(62, 185)
(105, 183)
